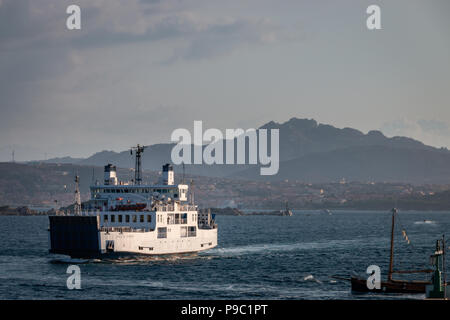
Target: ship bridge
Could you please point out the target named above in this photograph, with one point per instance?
(113, 191)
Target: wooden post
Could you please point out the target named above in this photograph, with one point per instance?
(391, 258)
(443, 267)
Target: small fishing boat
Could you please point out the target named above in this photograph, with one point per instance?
(393, 285)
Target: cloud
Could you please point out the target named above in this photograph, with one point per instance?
(436, 127)
(29, 24)
(55, 83)
(432, 132)
(223, 37)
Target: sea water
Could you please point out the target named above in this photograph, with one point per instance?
(258, 257)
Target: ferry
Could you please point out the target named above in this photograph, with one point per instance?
(129, 218)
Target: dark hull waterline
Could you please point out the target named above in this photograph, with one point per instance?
(394, 286)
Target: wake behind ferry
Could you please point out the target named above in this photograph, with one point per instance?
(124, 218)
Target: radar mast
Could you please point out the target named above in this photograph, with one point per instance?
(139, 150)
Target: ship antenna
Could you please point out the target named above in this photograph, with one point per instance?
(183, 173)
(192, 192)
(77, 205)
(139, 150)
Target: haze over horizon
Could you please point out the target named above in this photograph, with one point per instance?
(139, 69)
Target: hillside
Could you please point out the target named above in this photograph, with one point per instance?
(365, 164)
(39, 185)
(315, 152)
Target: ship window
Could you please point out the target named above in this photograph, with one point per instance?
(134, 218)
(119, 218)
(113, 218)
(162, 232)
(149, 218)
(105, 218)
(126, 190)
(183, 232)
(127, 218)
(175, 195)
(192, 231)
(141, 218)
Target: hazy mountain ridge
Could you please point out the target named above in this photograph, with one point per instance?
(315, 152)
(365, 164)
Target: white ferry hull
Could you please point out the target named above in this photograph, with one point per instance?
(147, 243)
(84, 237)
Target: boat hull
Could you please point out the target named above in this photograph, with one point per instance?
(81, 237)
(395, 286)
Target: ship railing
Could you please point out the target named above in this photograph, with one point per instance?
(207, 225)
(186, 207)
(124, 229)
(177, 221)
(165, 208)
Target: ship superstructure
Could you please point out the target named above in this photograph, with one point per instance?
(123, 218)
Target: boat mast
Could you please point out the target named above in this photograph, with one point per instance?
(443, 267)
(77, 205)
(391, 258)
(138, 165)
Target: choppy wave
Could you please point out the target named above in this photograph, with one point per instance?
(294, 259)
(310, 277)
(267, 247)
(429, 222)
(211, 287)
(142, 259)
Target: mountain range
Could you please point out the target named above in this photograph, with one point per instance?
(313, 152)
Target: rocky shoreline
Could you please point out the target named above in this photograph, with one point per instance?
(20, 211)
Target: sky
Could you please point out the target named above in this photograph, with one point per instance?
(139, 69)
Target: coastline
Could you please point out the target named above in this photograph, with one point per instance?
(25, 211)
